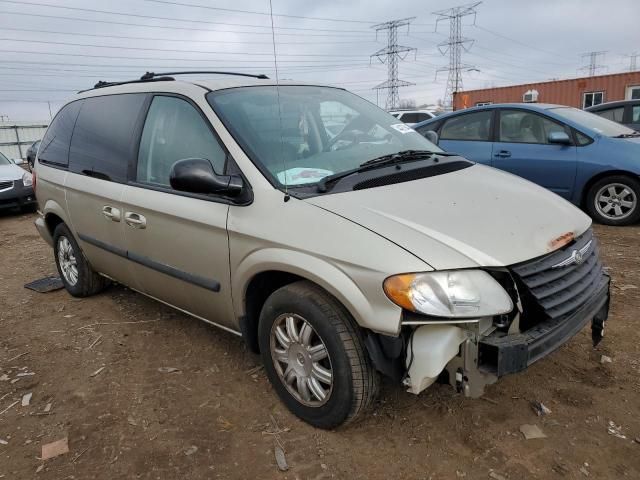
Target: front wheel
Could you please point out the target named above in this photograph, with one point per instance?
(315, 357)
(615, 200)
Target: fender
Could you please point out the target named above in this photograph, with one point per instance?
(50, 207)
(384, 317)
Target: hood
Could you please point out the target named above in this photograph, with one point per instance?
(478, 216)
(11, 172)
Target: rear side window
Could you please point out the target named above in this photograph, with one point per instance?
(55, 144)
(518, 126)
(102, 140)
(635, 114)
(470, 126)
(614, 114)
(175, 130)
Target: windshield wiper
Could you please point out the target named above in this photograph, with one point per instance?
(394, 158)
(627, 135)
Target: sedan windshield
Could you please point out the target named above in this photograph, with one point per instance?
(594, 122)
(301, 134)
(4, 160)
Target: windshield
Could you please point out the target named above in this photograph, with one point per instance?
(4, 160)
(323, 130)
(594, 122)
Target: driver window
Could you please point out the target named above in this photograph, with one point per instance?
(174, 130)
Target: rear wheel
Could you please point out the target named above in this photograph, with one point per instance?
(615, 200)
(314, 356)
(76, 274)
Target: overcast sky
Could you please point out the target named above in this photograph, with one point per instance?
(515, 42)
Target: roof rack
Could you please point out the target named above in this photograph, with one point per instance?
(165, 77)
(151, 75)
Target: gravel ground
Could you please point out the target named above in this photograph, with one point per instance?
(105, 365)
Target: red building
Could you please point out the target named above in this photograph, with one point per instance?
(575, 92)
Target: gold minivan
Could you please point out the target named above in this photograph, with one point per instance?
(337, 241)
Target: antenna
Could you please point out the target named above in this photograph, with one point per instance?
(275, 63)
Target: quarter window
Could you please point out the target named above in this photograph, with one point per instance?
(175, 130)
(590, 99)
(614, 114)
(519, 126)
(101, 145)
(471, 126)
(55, 144)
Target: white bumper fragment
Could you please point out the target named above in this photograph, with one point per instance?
(432, 347)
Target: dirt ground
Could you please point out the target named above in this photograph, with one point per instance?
(217, 416)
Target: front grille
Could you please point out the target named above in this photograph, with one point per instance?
(556, 291)
(6, 185)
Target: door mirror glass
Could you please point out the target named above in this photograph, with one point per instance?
(196, 175)
(559, 138)
(432, 136)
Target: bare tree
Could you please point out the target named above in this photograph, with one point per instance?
(407, 103)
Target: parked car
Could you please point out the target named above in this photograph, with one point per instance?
(336, 258)
(16, 186)
(590, 161)
(411, 117)
(32, 151)
(626, 112)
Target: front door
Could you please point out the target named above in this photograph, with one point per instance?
(522, 148)
(177, 243)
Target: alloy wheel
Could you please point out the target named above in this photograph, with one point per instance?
(616, 201)
(67, 261)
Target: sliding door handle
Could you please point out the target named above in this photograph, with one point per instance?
(111, 213)
(135, 220)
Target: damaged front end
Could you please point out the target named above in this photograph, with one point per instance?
(554, 296)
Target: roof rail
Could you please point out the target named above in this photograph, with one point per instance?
(151, 75)
(160, 77)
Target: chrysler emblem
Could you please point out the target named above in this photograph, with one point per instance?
(577, 257)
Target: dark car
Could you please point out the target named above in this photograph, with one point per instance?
(626, 112)
(32, 151)
(16, 186)
(586, 159)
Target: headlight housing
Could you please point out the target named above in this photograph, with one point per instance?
(449, 294)
(27, 179)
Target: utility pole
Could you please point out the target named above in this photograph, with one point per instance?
(454, 47)
(390, 55)
(633, 57)
(593, 66)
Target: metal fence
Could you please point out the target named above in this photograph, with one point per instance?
(16, 137)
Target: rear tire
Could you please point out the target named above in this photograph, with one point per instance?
(76, 274)
(324, 375)
(614, 200)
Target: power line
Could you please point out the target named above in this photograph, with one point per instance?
(633, 57)
(166, 27)
(548, 52)
(593, 66)
(390, 55)
(454, 46)
(258, 13)
(179, 40)
(153, 17)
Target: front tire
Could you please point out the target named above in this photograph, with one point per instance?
(614, 200)
(76, 274)
(315, 357)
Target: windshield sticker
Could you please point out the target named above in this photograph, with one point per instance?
(402, 128)
(302, 175)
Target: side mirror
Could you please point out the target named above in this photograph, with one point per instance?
(18, 161)
(432, 136)
(196, 175)
(559, 138)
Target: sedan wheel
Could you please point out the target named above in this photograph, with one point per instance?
(616, 201)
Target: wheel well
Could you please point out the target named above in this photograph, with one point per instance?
(259, 289)
(600, 176)
(52, 221)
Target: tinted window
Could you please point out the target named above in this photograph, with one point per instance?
(614, 114)
(175, 130)
(102, 140)
(517, 126)
(470, 126)
(635, 114)
(55, 144)
(582, 139)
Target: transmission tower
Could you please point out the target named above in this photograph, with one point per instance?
(593, 66)
(390, 55)
(455, 46)
(633, 64)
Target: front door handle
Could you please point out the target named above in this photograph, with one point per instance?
(503, 154)
(135, 220)
(111, 213)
